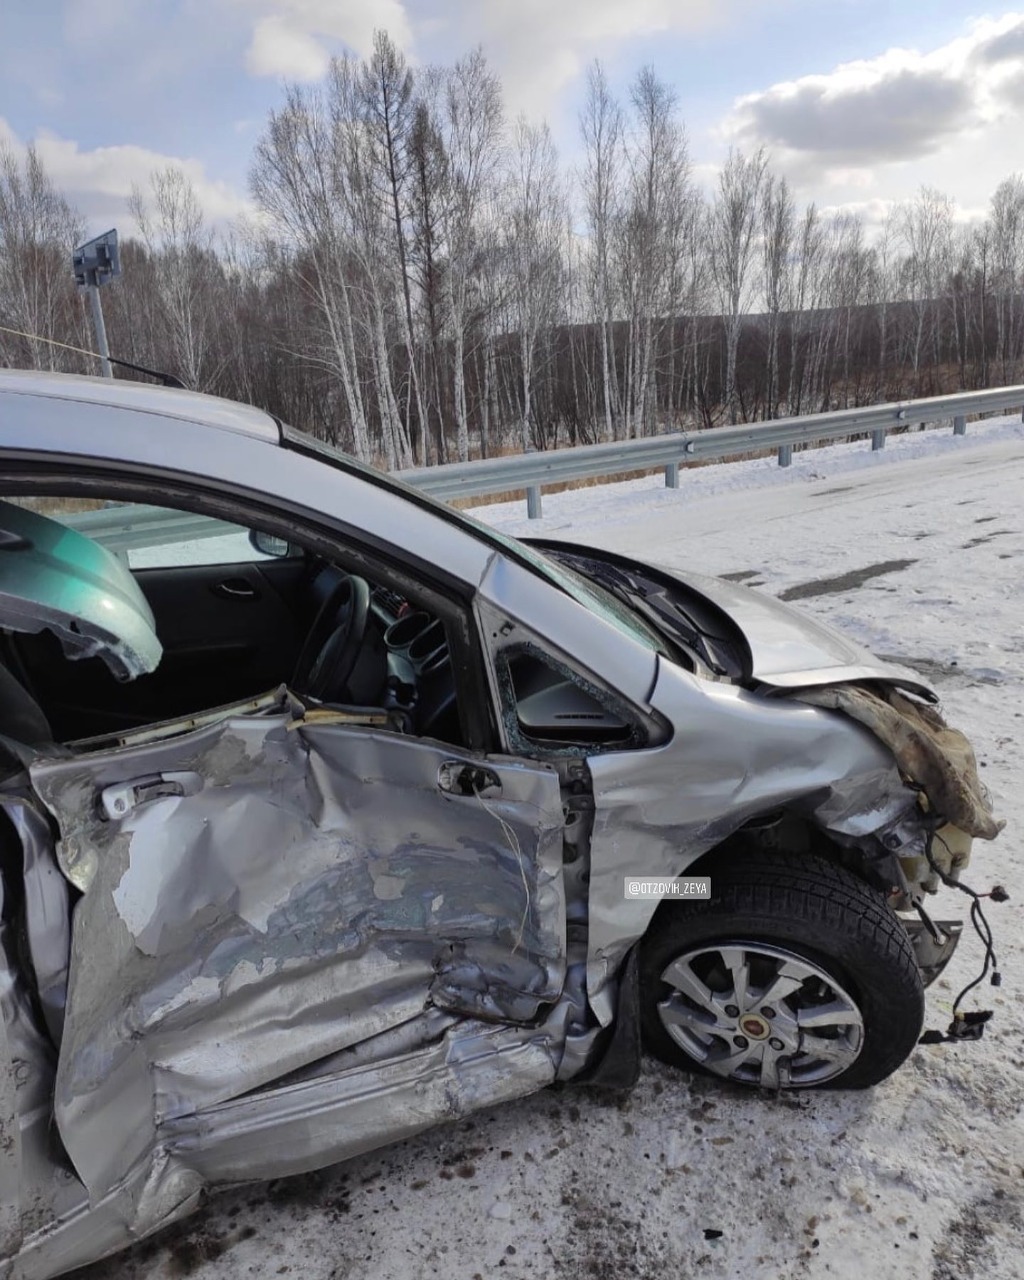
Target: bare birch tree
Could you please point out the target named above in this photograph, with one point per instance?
(185, 269)
(474, 139)
(295, 179)
(650, 238)
(1007, 220)
(601, 126)
(777, 230)
(924, 225)
(849, 278)
(534, 220)
(734, 232)
(386, 93)
(38, 229)
(429, 197)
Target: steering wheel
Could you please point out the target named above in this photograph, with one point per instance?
(333, 643)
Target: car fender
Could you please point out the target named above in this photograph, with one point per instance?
(733, 756)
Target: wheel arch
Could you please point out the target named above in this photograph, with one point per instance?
(788, 833)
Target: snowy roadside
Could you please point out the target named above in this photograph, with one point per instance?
(922, 1176)
(624, 502)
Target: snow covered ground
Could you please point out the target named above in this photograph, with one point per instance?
(920, 1177)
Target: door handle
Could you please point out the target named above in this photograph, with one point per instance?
(235, 589)
(462, 779)
(120, 799)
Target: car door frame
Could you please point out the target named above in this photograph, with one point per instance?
(426, 583)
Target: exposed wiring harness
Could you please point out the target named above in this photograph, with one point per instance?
(969, 1025)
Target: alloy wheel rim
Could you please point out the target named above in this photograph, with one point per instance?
(760, 1015)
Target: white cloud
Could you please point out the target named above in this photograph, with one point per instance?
(540, 46)
(871, 213)
(295, 38)
(902, 105)
(280, 50)
(1001, 42)
(867, 134)
(874, 213)
(99, 181)
(853, 177)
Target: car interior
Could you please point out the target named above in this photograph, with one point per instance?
(233, 629)
(231, 633)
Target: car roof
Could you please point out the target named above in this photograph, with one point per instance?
(105, 421)
(141, 397)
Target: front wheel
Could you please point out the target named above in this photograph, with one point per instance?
(795, 975)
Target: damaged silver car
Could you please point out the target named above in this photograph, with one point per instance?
(328, 812)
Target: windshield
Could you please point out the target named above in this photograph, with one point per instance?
(581, 589)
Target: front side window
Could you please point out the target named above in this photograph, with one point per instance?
(151, 537)
(230, 612)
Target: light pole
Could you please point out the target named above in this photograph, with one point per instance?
(95, 263)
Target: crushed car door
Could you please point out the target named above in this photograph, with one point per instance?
(260, 893)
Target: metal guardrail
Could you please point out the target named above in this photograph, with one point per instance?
(126, 528)
(531, 471)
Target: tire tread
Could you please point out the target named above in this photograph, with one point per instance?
(811, 904)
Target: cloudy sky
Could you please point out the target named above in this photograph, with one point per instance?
(859, 101)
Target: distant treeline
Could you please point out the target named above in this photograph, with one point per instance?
(423, 281)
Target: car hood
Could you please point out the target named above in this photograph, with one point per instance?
(747, 634)
(788, 648)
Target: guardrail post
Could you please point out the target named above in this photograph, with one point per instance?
(533, 511)
(672, 475)
(878, 439)
(960, 425)
(785, 455)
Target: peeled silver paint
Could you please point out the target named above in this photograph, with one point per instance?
(305, 898)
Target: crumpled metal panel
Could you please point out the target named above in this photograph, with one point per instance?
(47, 912)
(34, 1188)
(289, 1130)
(79, 1229)
(790, 649)
(936, 756)
(10, 1151)
(434, 1069)
(54, 579)
(733, 756)
(302, 893)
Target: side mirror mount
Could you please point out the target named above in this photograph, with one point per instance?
(269, 544)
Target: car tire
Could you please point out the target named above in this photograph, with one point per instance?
(794, 975)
